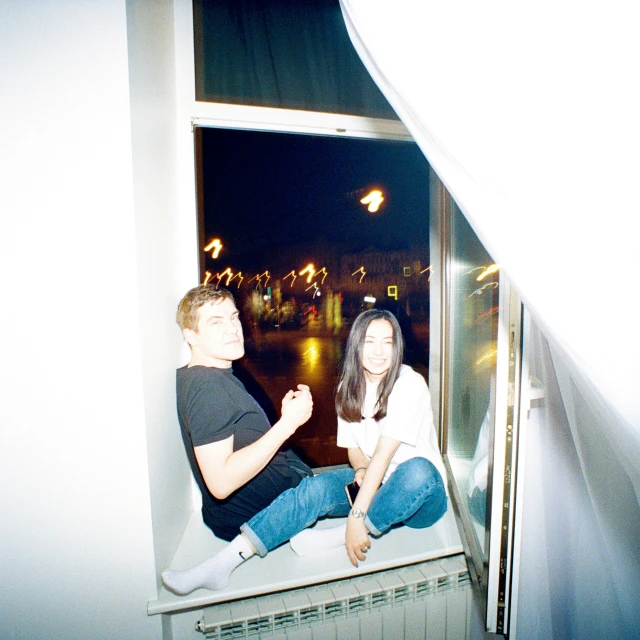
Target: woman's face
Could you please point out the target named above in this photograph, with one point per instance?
(377, 351)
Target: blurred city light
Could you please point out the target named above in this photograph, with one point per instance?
(310, 269)
(259, 277)
(215, 245)
(227, 272)
(362, 271)
(374, 199)
(293, 275)
(323, 270)
(316, 290)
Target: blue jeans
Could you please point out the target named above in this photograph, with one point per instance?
(413, 495)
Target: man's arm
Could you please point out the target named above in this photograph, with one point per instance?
(225, 470)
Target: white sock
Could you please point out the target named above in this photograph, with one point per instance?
(213, 573)
(310, 540)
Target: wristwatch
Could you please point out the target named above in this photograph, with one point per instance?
(357, 513)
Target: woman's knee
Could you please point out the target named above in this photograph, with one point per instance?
(418, 473)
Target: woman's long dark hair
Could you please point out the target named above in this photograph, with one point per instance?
(352, 389)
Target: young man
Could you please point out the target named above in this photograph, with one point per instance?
(414, 494)
(234, 453)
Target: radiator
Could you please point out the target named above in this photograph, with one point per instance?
(429, 601)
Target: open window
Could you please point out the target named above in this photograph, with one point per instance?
(307, 231)
(480, 358)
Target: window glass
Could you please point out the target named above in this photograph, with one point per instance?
(283, 225)
(472, 352)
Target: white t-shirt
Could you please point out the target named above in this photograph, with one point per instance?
(409, 419)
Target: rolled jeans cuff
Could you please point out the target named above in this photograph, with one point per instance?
(371, 527)
(254, 540)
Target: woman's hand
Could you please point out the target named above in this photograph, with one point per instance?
(357, 540)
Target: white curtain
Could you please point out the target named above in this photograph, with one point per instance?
(529, 113)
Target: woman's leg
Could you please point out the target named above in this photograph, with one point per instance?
(413, 495)
(299, 508)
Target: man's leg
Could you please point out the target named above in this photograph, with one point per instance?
(213, 573)
(299, 508)
(414, 495)
(288, 514)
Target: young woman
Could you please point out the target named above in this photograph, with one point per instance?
(385, 422)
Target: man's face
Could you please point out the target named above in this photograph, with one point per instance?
(218, 340)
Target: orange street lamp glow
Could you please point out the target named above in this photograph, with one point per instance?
(323, 270)
(310, 269)
(362, 271)
(216, 245)
(259, 277)
(374, 199)
(227, 272)
(293, 275)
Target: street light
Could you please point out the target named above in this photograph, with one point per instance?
(374, 199)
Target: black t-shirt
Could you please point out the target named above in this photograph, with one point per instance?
(213, 405)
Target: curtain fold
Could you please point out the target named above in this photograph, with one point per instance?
(529, 116)
(291, 54)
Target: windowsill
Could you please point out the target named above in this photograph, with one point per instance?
(282, 569)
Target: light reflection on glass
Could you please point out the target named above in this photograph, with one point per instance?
(472, 354)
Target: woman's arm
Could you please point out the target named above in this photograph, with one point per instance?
(357, 537)
(359, 462)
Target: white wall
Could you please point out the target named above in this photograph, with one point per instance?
(86, 335)
(167, 259)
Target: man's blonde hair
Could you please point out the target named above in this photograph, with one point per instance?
(187, 315)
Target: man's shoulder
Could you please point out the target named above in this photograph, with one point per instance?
(199, 372)
(190, 380)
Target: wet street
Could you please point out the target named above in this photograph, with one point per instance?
(286, 358)
(277, 361)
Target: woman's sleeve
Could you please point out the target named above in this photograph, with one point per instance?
(345, 436)
(408, 408)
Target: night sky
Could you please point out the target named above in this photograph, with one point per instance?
(265, 191)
